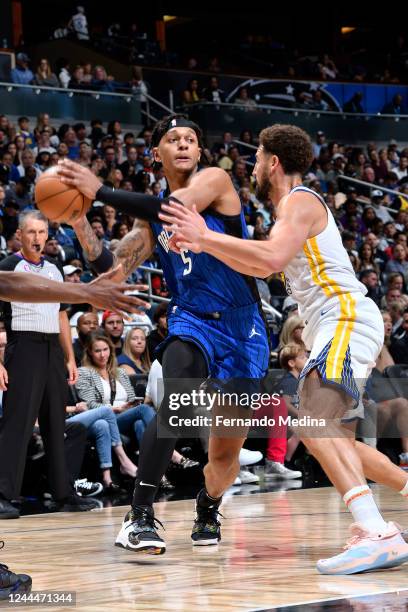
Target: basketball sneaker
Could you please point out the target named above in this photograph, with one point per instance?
(138, 532)
(11, 583)
(86, 488)
(367, 551)
(276, 470)
(206, 529)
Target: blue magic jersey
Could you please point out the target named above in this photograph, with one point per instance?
(200, 282)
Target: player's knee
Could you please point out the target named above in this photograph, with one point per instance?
(224, 460)
(315, 446)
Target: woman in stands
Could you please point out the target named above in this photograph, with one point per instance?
(102, 383)
(135, 357)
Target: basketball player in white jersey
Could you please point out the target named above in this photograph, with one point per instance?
(344, 333)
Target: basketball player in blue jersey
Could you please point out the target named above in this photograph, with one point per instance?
(344, 333)
(215, 323)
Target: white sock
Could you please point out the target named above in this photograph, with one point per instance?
(404, 491)
(360, 502)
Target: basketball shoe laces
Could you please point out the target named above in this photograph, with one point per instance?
(207, 518)
(360, 533)
(145, 519)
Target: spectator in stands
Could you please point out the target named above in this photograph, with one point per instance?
(399, 262)
(64, 74)
(395, 107)
(379, 165)
(7, 127)
(8, 171)
(44, 75)
(292, 332)
(370, 279)
(87, 324)
(85, 154)
(72, 274)
(138, 86)
(101, 81)
(114, 178)
(87, 72)
(160, 332)
(20, 194)
(367, 260)
(135, 358)
(21, 74)
(327, 68)
(379, 256)
(54, 251)
(319, 144)
(354, 104)
(191, 94)
(102, 383)
(399, 346)
(396, 280)
(113, 326)
(381, 212)
(213, 93)
(402, 170)
(132, 165)
(109, 214)
(78, 24)
(25, 132)
(119, 230)
(244, 99)
(77, 80)
(316, 102)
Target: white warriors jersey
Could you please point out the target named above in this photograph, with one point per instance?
(321, 275)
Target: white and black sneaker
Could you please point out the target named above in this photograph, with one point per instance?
(138, 532)
(85, 488)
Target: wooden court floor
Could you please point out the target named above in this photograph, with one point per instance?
(271, 542)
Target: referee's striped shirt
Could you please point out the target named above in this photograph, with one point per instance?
(25, 316)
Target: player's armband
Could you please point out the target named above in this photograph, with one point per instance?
(103, 263)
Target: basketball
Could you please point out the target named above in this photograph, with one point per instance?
(58, 201)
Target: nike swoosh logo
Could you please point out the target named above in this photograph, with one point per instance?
(323, 312)
(146, 484)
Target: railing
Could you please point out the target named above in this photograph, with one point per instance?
(352, 128)
(296, 111)
(61, 103)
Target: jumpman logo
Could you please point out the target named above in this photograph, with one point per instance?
(253, 332)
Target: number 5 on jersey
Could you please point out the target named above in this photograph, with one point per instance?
(187, 261)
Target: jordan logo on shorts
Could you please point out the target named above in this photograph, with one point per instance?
(253, 332)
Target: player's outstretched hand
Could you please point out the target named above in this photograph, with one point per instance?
(188, 226)
(78, 176)
(107, 294)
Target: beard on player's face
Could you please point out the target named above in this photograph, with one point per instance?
(263, 186)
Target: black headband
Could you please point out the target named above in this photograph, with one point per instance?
(175, 122)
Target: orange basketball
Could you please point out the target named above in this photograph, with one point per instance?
(58, 201)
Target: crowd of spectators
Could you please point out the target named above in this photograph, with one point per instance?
(373, 224)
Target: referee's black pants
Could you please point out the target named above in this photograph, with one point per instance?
(37, 388)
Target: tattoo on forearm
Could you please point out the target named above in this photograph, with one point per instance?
(135, 247)
(89, 241)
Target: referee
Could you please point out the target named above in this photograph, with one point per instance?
(38, 338)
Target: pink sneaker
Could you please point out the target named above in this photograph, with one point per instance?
(367, 551)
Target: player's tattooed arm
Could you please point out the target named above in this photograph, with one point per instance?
(135, 247)
(88, 240)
